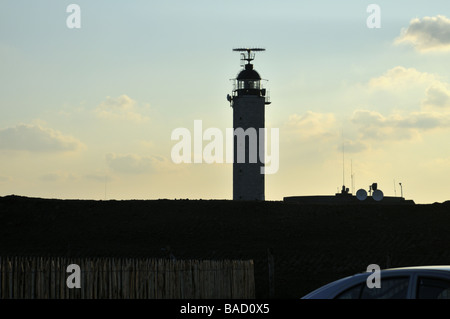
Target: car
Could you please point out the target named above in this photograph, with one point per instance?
(421, 282)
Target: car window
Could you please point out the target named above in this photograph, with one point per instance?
(433, 288)
(351, 293)
(391, 288)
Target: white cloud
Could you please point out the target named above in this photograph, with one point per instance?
(373, 125)
(437, 96)
(424, 91)
(36, 138)
(120, 108)
(409, 83)
(427, 34)
(312, 125)
(400, 77)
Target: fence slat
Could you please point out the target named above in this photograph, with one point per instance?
(126, 278)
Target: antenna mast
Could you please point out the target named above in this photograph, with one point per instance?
(343, 159)
(395, 189)
(351, 175)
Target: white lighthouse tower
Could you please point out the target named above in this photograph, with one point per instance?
(248, 101)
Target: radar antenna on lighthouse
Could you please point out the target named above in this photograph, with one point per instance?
(250, 56)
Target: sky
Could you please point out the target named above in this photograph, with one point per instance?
(88, 113)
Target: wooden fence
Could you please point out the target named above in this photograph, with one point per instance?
(126, 278)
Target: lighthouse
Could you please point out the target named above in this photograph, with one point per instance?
(248, 101)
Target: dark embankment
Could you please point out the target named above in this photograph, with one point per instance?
(311, 244)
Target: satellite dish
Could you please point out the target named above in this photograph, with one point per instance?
(377, 195)
(361, 194)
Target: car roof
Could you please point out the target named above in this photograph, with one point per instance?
(400, 271)
(437, 267)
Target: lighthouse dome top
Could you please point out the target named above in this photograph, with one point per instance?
(248, 73)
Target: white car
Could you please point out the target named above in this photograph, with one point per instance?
(424, 282)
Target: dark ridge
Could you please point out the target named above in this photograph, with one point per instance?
(312, 244)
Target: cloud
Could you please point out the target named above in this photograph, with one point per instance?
(35, 138)
(321, 127)
(373, 125)
(413, 82)
(120, 108)
(136, 164)
(437, 96)
(427, 34)
(311, 125)
(400, 77)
